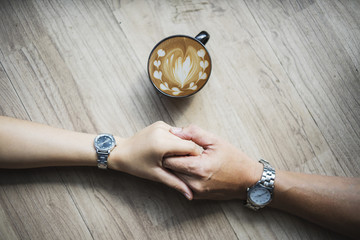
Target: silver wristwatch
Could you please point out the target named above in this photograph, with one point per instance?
(103, 144)
(260, 194)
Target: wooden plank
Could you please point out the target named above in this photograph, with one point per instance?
(133, 208)
(101, 60)
(272, 224)
(38, 206)
(10, 104)
(34, 203)
(322, 71)
(19, 24)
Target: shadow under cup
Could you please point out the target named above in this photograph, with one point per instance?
(179, 66)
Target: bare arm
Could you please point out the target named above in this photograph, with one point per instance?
(224, 172)
(25, 144)
(332, 202)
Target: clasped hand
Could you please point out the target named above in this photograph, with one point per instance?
(190, 160)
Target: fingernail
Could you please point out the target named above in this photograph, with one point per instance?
(187, 196)
(176, 129)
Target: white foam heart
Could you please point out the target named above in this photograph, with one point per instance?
(202, 75)
(164, 86)
(161, 53)
(176, 91)
(157, 74)
(192, 86)
(201, 53)
(204, 65)
(157, 63)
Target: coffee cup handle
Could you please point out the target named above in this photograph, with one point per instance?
(203, 37)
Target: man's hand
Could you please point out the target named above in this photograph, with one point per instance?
(220, 172)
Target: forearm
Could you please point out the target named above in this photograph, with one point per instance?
(332, 202)
(25, 144)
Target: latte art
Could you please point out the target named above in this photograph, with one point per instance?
(179, 66)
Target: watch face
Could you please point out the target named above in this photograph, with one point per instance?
(260, 195)
(104, 142)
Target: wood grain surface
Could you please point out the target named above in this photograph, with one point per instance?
(285, 86)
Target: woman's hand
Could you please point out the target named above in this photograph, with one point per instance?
(142, 155)
(220, 172)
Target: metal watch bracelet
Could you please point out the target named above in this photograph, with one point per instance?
(102, 160)
(268, 175)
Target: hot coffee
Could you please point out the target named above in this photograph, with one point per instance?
(179, 66)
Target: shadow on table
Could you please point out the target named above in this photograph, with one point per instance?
(174, 106)
(128, 203)
(133, 199)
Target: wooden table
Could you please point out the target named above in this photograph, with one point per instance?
(285, 87)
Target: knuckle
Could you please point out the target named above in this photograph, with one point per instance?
(166, 163)
(193, 128)
(207, 171)
(159, 124)
(201, 170)
(201, 189)
(197, 187)
(193, 167)
(202, 173)
(156, 134)
(194, 148)
(159, 129)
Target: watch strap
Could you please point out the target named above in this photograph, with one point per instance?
(102, 159)
(268, 175)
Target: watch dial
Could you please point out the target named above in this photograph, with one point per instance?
(104, 142)
(260, 196)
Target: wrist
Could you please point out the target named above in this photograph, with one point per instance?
(255, 173)
(117, 157)
(77, 149)
(283, 182)
(248, 173)
(255, 170)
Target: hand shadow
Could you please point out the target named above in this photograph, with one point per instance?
(126, 198)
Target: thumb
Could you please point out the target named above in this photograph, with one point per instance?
(173, 181)
(195, 134)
